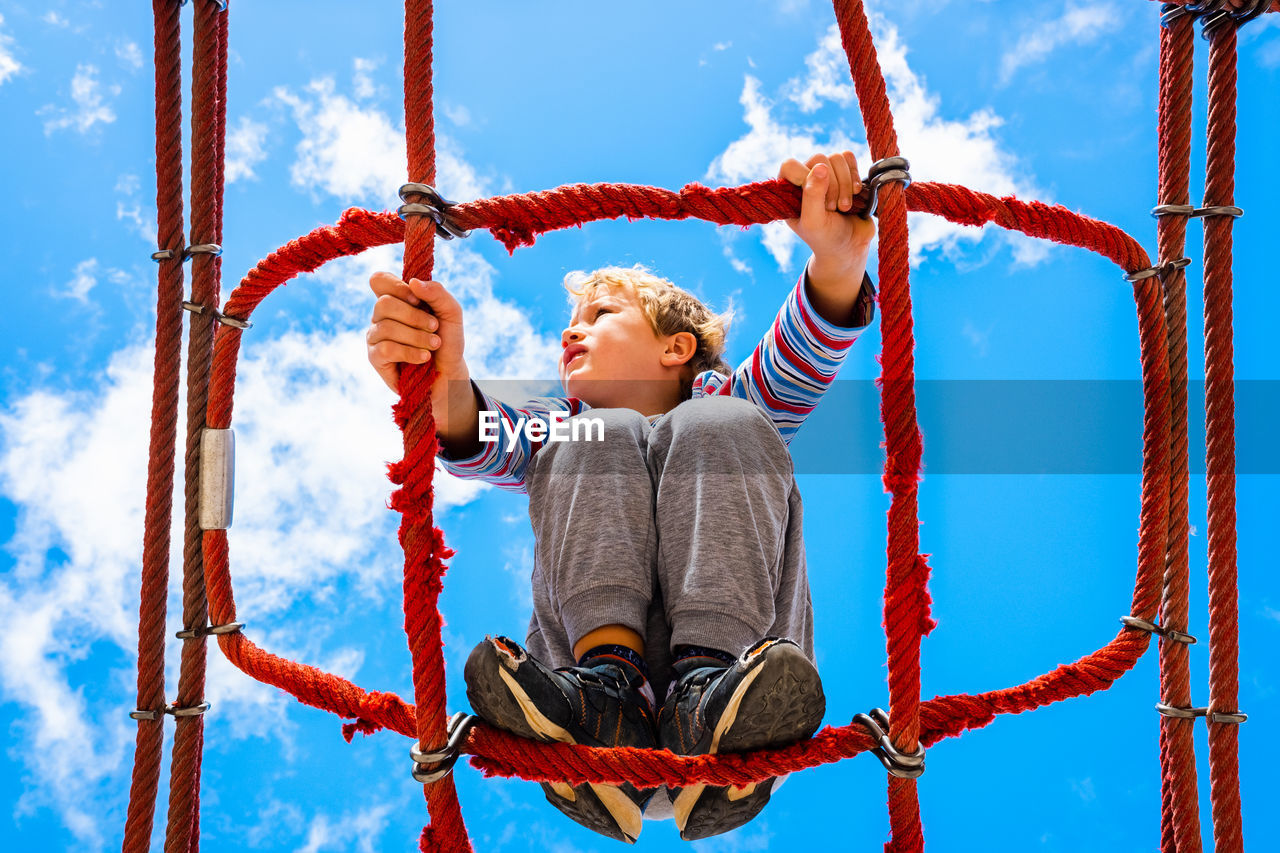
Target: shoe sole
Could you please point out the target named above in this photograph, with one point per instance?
(773, 705)
(606, 809)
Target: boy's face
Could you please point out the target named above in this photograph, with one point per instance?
(610, 356)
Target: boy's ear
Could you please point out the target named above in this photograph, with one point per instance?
(680, 348)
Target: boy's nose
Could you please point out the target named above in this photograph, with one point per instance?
(569, 336)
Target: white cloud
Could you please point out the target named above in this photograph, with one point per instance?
(363, 79)
(353, 831)
(350, 152)
(978, 338)
(140, 215)
(458, 114)
(130, 54)
(517, 562)
(71, 463)
(1078, 25)
(90, 106)
(246, 148)
(52, 17)
(357, 152)
(940, 149)
(1268, 53)
(9, 66)
(82, 281)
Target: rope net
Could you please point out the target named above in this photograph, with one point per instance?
(1160, 585)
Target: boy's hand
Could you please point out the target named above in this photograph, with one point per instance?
(838, 238)
(414, 322)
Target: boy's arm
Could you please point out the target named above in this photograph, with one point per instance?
(415, 322)
(829, 307)
(797, 359)
(502, 460)
(840, 240)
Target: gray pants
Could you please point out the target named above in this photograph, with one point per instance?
(688, 531)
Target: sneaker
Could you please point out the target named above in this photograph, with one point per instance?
(770, 696)
(601, 705)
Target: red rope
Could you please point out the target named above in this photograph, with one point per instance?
(208, 125)
(516, 220)
(422, 541)
(906, 596)
(940, 717)
(1219, 372)
(1179, 813)
(164, 430)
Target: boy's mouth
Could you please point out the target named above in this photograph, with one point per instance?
(571, 353)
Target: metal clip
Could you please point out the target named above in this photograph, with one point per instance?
(902, 765)
(1180, 713)
(1172, 209)
(1223, 717)
(882, 172)
(207, 630)
(233, 322)
(1219, 210)
(1220, 16)
(1152, 628)
(1171, 12)
(436, 206)
(1159, 269)
(431, 767)
(165, 255)
(1227, 717)
(193, 711)
(202, 249)
(217, 478)
(144, 715)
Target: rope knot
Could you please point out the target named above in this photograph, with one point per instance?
(375, 703)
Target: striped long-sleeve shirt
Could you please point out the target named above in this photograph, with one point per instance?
(786, 375)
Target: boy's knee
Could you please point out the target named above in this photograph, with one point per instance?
(719, 419)
(599, 433)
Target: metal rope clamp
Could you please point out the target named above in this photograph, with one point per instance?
(431, 767)
(1230, 717)
(209, 631)
(900, 764)
(883, 172)
(1172, 209)
(1218, 210)
(1216, 15)
(436, 206)
(1158, 270)
(224, 319)
(1152, 628)
(1170, 12)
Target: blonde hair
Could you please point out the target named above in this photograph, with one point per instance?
(669, 309)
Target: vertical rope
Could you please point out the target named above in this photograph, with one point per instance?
(208, 122)
(906, 616)
(164, 428)
(422, 541)
(1224, 768)
(1179, 813)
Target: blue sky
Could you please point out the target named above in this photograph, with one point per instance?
(1045, 100)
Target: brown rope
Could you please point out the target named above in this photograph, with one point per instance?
(164, 429)
(208, 123)
(1179, 813)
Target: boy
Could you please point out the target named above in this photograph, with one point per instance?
(671, 605)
